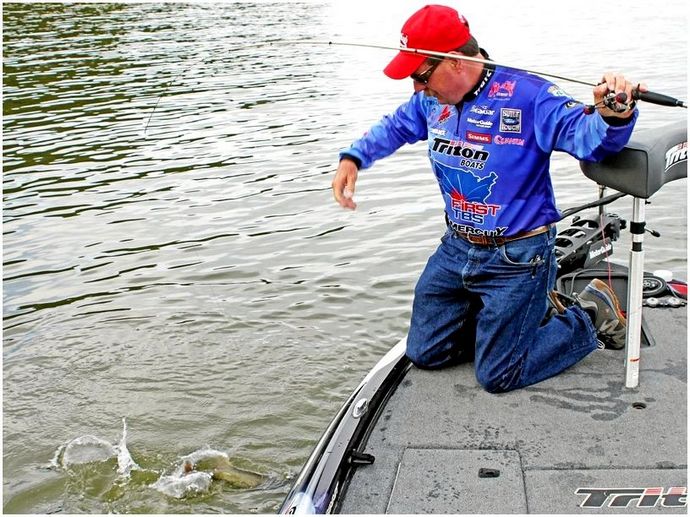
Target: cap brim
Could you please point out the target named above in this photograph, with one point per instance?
(403, 65)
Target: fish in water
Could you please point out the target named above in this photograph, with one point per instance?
(237, 477)
(222, 469)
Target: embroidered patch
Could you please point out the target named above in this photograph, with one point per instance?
(511, 120)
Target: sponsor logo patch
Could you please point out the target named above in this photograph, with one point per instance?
(473, 136)
(482, 110)
(469, 155)
(511, 120)
(445, 115)
(501, 140)
(504, 90)
(467, 195)
(486, 124)
(556, 91)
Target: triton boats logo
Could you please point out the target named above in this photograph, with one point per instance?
(470, 156)
(674, 497)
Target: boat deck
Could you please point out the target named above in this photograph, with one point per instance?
(580, 429)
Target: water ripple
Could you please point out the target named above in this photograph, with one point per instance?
(172, 251)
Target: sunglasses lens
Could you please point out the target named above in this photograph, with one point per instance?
(424, 77)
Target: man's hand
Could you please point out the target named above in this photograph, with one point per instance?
(344, 183)
(615, 83)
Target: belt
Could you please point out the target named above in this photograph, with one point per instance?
(484, 240)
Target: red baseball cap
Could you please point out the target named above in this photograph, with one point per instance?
(433, 27)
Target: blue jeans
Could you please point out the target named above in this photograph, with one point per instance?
(489, 304)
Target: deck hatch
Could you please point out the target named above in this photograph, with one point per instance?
(448, 481)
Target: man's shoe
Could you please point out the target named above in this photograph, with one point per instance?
(598, 299)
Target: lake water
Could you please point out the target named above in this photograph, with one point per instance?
(188, 270)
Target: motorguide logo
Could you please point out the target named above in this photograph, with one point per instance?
(485, 124)
(674, 497)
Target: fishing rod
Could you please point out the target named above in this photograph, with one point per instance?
(610, 100)
(651, 97)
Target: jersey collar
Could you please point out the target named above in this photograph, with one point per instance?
(487, 74)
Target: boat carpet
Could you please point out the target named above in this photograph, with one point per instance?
(444, 445)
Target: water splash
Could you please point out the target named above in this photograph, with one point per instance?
(184, 481)
(205, 453)
(191, 475)
(182, 484)
(86, 449)
(196, 470)
(125, 463)
(92, 449)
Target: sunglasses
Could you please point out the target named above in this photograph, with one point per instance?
(424, 77)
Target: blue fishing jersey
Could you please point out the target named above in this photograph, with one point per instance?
(490, 153)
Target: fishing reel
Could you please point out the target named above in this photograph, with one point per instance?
(617, 102)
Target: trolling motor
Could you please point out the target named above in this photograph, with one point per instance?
(586, 242)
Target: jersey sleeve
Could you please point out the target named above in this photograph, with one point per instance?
(562, 125)
(406, 125)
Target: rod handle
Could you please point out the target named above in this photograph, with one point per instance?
(658, 98)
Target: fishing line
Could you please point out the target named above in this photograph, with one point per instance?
(202, 61)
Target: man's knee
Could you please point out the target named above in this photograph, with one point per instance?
(491, 384)
(499, 378)
(419, 358)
